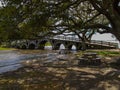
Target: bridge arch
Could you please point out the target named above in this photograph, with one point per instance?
(31, 46)
(62, 46)
(43, 43)
(58, 45)
(72, 46)
(17, 46)
(24, 46)
(21, 46)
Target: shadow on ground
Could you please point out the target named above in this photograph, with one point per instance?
(62, 78)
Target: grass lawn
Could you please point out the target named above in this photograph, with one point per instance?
(2, 48)
(104, 53)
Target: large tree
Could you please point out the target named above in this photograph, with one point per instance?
(111, 10)
(24, 19)
(102, 15)
(43, 17)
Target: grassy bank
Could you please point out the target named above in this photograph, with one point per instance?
(4, 48)
(104, 53)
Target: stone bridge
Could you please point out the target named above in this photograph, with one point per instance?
(68, 42)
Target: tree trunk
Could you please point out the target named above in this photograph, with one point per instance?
(116, 28)
(117, 35)
(83, 46)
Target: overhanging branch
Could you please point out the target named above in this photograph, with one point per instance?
(105, 29)
(92, 18)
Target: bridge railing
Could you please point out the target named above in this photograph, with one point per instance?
(104, 43)
(66, 38)
(112, 44)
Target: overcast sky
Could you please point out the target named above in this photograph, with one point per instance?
(0, 3)
(105, 37)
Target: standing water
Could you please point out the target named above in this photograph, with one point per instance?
(11, 60)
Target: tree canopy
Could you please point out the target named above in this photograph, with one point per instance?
(33, 18)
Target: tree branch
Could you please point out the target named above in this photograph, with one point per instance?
(92, 18)
(95, 26)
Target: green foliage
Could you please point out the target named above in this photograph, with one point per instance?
(21, 19)
(8, 24)
(27, 19)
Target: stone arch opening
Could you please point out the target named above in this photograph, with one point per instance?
(58, 46)
(72, 47)
(45, 45)
(31, 46)
(24, 47)
(48, 45)
(18, 47)
(62, 46)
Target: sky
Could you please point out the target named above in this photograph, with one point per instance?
(0, 3)
(105, 37)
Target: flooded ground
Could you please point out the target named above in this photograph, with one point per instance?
(11, 59)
